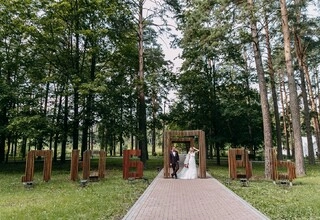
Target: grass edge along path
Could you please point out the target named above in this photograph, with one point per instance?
(301, 201)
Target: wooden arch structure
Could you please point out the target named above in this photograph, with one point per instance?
(186, 136)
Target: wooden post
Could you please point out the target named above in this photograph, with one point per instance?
(47, 165)
(29, 170)
(102, 164)
(125, 164)
(274, 164)
(86, 165)
(74, 165)
(202, 155)
(231, 163)
(167, 146)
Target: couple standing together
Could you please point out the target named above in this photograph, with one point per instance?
(189, 170)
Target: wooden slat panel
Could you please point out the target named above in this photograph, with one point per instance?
(102, 164)
(29, 169)
(125, 164)
(167, 146)
(47, 167)
(74, 165)
(202, 155)
(86, 164)
(232, 164)
(184, 133)
(181, 139)
(274, 164)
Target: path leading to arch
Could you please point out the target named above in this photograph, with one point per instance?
(203, 199)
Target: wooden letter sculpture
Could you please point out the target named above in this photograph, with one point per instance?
(239, 158)
(288, 165)
(86, 165)
(129, 164)
(47, 165)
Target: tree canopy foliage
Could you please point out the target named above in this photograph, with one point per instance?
(75, 72)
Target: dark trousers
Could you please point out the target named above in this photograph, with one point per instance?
(175, 168)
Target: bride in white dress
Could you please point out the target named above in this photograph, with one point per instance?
(189, 171)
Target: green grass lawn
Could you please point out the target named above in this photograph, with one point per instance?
(112, 197)
(301, 201)
(61, 198)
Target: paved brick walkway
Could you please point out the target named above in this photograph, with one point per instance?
(202, 199)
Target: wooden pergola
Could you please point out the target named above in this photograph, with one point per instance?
(186, 136)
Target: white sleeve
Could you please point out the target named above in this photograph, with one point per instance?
(186, 161)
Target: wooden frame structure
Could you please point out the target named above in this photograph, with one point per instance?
(186, 136)
(239, 157)
(47, 165)
(290, 167)
(128, 164)
(86, 165)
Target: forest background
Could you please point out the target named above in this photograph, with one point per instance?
(79, 74)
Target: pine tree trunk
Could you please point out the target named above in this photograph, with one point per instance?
(305, 103)
(273, 91)
(302, 66)
(141, 96)
(318, 89)
(2, 135)
(247, 87)
(65, 129)
(294, 107)
(153, 127)
(263, 94)
(285, 116)
(58, 116)
(76, 120)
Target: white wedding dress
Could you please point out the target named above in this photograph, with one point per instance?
(191, 171)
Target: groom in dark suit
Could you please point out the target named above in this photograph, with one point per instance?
(174, 161)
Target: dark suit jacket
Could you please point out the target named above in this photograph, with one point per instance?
(174, 159)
